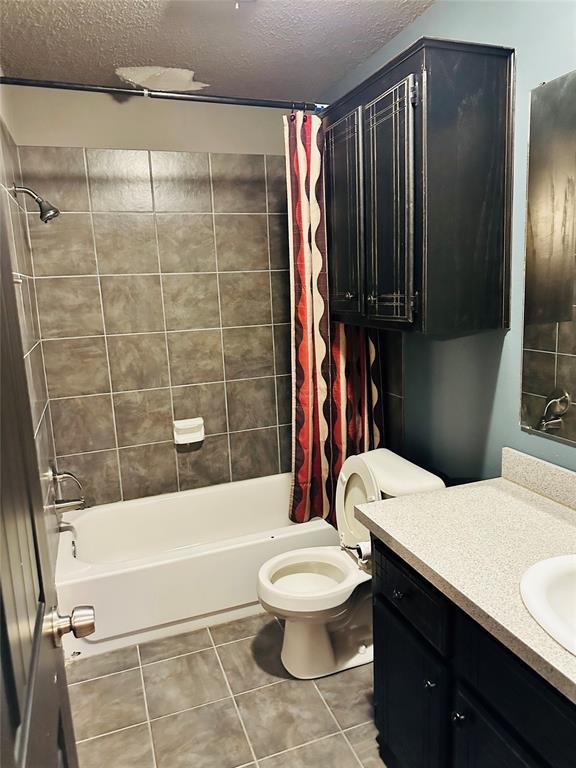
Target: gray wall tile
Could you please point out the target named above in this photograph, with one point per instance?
(186, 242)
(241, 241)
(281, 297)
(138, 361)
(284, 394)
(539, 372)
(206, 400)
(251, 403)
(76, 366)
(36, 383)
(276, 183)
(567, 337)
(119, 179)
(63, 247)
(107, 315)
(245, 298)
(285, 438)
(69, 306)
(279, 248)
(99, 473)
(195, 357)
(191, 301)
(132, 303)
(204, 464)
(125, 243)
(147, 470)
(254, 453)
(143, 417)
(181, 181)
(282, 342)
(238, 183)
(57, 174)
(248, 352)
(83, 424)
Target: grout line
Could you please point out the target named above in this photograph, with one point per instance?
(110, 733)
(100, 677)
(114, 426)
(41, 417)
(157, 389)
(156, 333)
(164, 317)
(272, 315)
(333, 716)
(151, 211)
(190, 709)
(299, 746)
(220, 317)
(160, 273)
(233, 698)
(146, 709)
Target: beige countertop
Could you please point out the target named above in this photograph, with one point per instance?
(474, 542)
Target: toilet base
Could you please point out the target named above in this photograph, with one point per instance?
(316, 649)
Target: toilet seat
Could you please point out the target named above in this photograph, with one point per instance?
(357, 484)
(308, 580)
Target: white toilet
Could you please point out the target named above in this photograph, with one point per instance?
(324, 593)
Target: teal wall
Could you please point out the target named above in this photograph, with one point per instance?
(463, 396)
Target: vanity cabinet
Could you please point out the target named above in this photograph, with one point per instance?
(417, 179)
(447, 694)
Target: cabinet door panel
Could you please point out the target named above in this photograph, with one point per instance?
(344, 212)
(389, 131)
(480, 743)
(411, 689)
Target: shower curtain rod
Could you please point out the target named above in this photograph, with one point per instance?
(305, 106)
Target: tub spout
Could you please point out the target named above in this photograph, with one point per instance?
(64, 527)
(69, 505)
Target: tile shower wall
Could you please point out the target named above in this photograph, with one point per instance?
(13, 222)
(163, 292)
(549, 361)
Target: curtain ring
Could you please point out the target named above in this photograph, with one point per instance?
(292, 113)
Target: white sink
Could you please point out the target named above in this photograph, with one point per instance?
(548, 589)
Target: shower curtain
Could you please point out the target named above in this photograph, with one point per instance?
(336, 402)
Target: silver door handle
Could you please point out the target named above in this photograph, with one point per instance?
(81, 622)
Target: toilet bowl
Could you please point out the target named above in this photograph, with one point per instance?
(324, 593)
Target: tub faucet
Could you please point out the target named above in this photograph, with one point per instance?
(66, 505)
(557, 404)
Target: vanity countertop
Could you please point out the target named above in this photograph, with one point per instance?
(474, 542)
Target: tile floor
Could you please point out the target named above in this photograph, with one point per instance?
(218, 698)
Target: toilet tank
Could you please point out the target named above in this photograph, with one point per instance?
(397, 476)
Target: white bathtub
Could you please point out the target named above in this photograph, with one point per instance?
(165, 564)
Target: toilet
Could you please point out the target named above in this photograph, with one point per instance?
(324, 594)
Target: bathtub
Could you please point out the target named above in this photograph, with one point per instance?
(166, 564)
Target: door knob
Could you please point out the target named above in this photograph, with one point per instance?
(81, 622)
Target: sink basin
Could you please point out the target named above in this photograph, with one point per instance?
(548, 589)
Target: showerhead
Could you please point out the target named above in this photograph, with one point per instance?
(47, 210)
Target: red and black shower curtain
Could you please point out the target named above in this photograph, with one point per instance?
(336, 403)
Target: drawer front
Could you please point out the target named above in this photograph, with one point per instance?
(541, 717)
(418, 602)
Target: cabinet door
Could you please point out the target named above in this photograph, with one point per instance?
(389, 132)
(411, 695)
(345, 213)
(479, 742)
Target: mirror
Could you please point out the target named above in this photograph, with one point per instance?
(549, 349)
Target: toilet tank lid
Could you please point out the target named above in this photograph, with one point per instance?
(396, 476)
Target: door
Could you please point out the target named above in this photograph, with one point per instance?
(479, 742)
(411, 693)
(389, 132)
(345, 213)
(36, 721)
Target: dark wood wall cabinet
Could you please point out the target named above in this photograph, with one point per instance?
(418, 192)
(447, 694)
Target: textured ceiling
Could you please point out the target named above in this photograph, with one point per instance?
(284, 49)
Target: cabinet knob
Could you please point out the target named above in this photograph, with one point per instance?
(349, 295)
(458, 718)
(371, 299)
(397, 594)
(429, 684)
